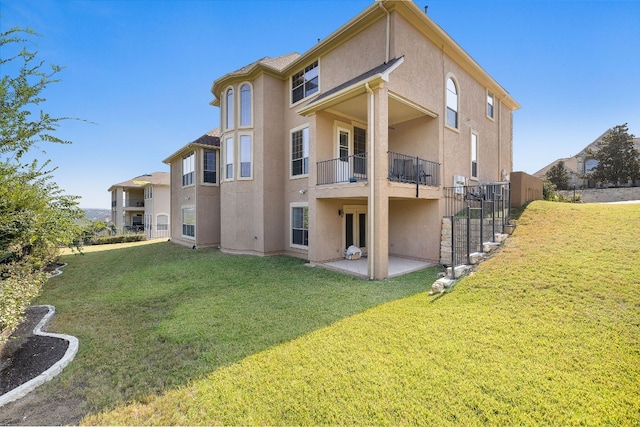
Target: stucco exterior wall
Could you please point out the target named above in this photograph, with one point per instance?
(525, 188)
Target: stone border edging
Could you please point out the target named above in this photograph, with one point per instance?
(57, 367)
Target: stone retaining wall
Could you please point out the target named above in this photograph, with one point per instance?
(604, 195)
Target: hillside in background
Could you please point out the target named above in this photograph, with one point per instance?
(97, 214)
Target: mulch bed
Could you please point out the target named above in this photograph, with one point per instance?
(25, 356)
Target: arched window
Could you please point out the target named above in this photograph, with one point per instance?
(245, 105)
(452, 103)
(229, 109)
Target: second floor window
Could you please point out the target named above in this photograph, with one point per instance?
(300, 152)
(229, 109)
(474, 155)
(188, 168)
(148, 192)
(209, 167)
(245, 156)
(245, 105)
(304, 83)
(490, 105)
(452, 104)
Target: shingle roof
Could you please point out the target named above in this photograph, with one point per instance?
(211, 138)
(155, 178)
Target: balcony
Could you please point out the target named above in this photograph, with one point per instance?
(413, 170)
(344, 169)
(402, 168)
(134, 203)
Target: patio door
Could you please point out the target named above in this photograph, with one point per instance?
(355, 227)
(351, 147)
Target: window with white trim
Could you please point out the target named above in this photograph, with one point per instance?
(189, 222)
(304, 82)
(300, 225)
(490, 100)
(210, 174)
(229, 109)
(229, 159)
(474, 155)
(245, 156)
(245, 105)
(452, 103)
(162, 222)
(148, 192)
(300, 152)
(188, 168)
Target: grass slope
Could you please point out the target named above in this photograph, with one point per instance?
(152, 317)
(547, 332)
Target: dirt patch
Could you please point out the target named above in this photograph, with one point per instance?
(24, 357)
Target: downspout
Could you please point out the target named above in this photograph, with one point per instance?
(372, 181)
(388, 48)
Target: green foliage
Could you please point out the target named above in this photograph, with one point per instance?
(558, 176)
(545, 332)
(35, 216)
(618, 160)
(549, 191)
(121, 238)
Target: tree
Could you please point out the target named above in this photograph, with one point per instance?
(558, 176)
(36, 218)
(618, 160)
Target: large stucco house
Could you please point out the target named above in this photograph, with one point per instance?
(351, 143)
(580, 166)
(142, 204)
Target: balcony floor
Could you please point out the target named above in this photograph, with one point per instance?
(397, 266)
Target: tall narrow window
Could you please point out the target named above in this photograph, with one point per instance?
(245, 105)
(209, 167)
(304, 82)
(229, 158)
(188, 168)
(229, 109)
(300, 226)
(245, 156)
(474, 155)
(189, 222)
(489, 105)
(452, 103)
(300, 152)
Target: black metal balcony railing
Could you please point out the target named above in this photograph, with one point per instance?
(344, 169)
(134, 203)
(413, 170)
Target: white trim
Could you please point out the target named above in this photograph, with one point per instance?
(224, 120)
(453, 78)
(289, 83)
(291, 206)
(182, 223)
(251, 118)
(290, 144)
(239, 174)
(471, 154)
(486, 105)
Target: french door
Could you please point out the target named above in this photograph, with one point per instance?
(355, 227)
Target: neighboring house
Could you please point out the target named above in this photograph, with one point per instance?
(142, 204)
(580, 166)
(352, 143)
(195, 191)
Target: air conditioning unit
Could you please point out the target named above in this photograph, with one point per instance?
(459, 182)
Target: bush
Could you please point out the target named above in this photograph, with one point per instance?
(122, 238)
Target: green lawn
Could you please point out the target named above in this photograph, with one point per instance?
(546, 332)
(153, 317)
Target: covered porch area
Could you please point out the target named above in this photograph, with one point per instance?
(397, 266)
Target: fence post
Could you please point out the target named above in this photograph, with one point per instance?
(468, 235)
(453, 246)
(493, 219)
(481, 223)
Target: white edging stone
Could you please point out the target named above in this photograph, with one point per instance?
(54, 370)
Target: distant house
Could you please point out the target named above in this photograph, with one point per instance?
(142, 204)
(351, 143)
(195, 191)
(582, 164)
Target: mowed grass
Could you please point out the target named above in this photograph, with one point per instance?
(154, 317)
(545, 333)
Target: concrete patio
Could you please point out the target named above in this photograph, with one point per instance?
(397, 266)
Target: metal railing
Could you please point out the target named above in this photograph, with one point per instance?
(476, 213)
(344, 169)
(413, 170)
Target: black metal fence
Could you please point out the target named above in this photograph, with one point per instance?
(477, 213)
(413, 170)
(344, 169)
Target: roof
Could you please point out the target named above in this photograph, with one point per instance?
(210, 139)
(155, 178)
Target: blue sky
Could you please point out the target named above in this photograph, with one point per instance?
(142, 70)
